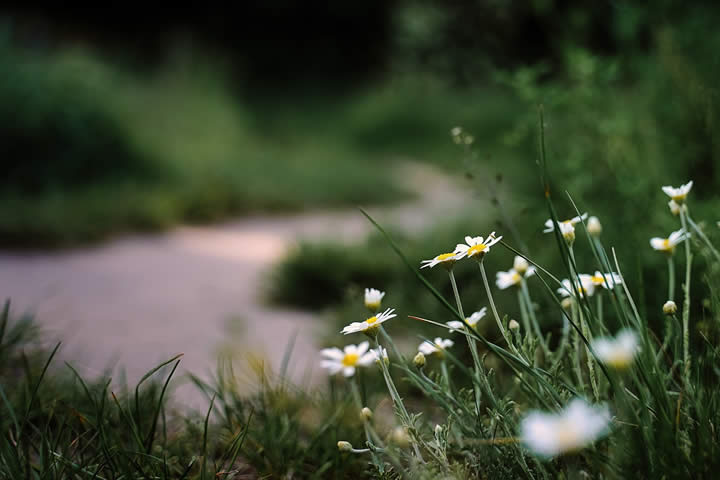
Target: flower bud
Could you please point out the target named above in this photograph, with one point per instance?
(669, 308)
(344, 446)
(419, 360)
(400, 437)
(566, 303)
(594, 227)
(438, 430)
(513, 325)
(366, 414)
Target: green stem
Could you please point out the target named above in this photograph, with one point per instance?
(671, 277)
(533, 318)
(493, 308)
(446, 375)
(590, 359)
(397, 401)
(686, 303)
(702, 236)
(471, 344)
(576, 347)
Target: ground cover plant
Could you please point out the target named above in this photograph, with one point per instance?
(593, 384)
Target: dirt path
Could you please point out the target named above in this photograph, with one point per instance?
(139, 300)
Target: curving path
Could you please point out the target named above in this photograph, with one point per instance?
(136, 301)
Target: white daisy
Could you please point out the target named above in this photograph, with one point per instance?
(568, 224)
(373, 298)
(437, 346)
(678, 194)
(472, 320)
(578, 425)
(607, 280)
(585, 286)
(618, 352)
(372, 322)
(668, 244)
(446, 259)
(511, 277)
(476, 246)
(348, 359)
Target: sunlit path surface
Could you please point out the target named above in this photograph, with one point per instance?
(137, 301)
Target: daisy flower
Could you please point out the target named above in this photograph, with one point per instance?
(569, 225)
(472, 320)
(607, 280)
(678, 194)
(437, 346)
(446, 259)
(618, 352)
(373, 298)
(476, 246)
(585, 286)
(512, 277)
(668, 245)
(348, 359)
(370, 323)
(578, 425)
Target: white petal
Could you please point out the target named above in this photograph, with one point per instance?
(349, 371)
(332, 353)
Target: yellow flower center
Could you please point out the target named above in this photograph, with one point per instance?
(666, 244)
(350, 359)
(618, 360)
(516, 277)
(597, 279)
(371, 320)
(444, 257)
(475, 249)
(679, 198)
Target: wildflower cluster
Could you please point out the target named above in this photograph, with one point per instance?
(580, 383)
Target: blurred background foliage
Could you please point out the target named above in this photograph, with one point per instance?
(201, 114)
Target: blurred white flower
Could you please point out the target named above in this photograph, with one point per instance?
(607, 280)
(348, 359)
(513, 325)
(585, 287)
(373, 298)
(521, 265)
(472, 320)
(512, 277)
(675, 208)
(594, 227)
(437, 346)
(372, 322)
(550, 225)
(668, 245)
(678, 194)
(578, 425)
(446, 259)
(476, 246)
(617, 352)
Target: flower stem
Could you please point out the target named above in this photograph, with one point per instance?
(471, 344)
(671, 277)
(397, 401)
(492, 305)
(686, 303)
(702, 236)
(533, 318)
